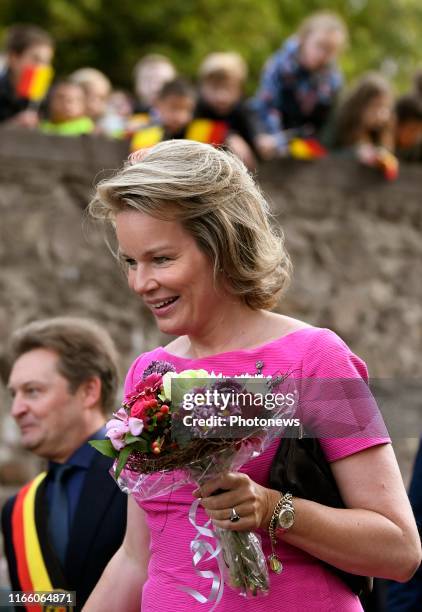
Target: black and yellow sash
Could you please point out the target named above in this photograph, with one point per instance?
(37, 566)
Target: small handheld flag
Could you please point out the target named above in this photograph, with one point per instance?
(306, 148)
(34, 82)
(388, 164)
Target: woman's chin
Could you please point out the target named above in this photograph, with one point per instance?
(172, 328)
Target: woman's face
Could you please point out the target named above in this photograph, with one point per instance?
(170, 273)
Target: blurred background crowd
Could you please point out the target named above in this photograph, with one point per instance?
(269, 79)
(297, 104)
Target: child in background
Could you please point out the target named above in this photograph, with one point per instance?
(222, 77)
(151, 73)
(118, 113)
(25, 45)
(97, 88)
(174, 107)
(364, 125)
(365, 116)
(67, 111)
(408, 129)
(300, 83)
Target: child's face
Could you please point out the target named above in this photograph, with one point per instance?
(409, 134)
(176, 112)
(378, 112)
(221, 95)
(150, 80)
(319, 48)
(97, 94)
(67, 102)
(37, 55)
(120, 103)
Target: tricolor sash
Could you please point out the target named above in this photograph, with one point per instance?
(37, 566)
(208, 131)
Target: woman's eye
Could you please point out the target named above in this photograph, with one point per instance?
(130, 263)
(160, 260)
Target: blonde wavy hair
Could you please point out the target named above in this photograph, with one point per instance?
(210, 192)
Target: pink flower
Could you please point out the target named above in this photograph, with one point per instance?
(151, 383)
(118, 427)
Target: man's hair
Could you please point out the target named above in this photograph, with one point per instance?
(21, 37)
(409, 108)
(84, 350)
(177, 87)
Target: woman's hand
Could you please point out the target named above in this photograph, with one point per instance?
(252, 502)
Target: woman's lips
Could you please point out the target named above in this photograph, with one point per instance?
(162, 308)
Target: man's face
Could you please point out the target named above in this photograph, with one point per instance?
(48, 415)
(38, 55)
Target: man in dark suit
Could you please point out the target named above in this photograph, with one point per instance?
(61, 529)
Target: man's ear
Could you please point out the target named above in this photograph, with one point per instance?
(91, 391)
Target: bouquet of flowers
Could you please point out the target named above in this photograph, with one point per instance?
(179, 422)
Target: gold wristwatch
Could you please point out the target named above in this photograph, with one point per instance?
(282, 519)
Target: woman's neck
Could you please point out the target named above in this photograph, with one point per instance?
(241, 328)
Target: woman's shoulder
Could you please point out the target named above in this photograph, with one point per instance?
(300, 333)
(321, 351)
(326, 354)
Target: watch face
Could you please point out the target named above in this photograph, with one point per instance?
(286, 518)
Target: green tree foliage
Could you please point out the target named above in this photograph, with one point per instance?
(113, 34)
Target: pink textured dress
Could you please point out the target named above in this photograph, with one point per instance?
(305, 583)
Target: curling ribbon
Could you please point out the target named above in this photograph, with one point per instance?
(199, 548)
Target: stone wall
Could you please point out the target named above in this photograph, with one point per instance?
(355, 241)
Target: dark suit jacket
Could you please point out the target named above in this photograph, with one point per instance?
(97, 531)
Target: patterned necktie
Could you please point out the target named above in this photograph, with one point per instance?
(59, 511)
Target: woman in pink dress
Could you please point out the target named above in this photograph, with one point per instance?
(194, 233)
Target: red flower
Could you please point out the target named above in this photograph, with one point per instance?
(142, 404)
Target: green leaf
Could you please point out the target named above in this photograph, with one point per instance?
(141, 445)
(129, 438)
(105, 447)
(123, 457)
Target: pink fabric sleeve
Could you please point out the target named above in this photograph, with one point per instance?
(137, 368)
(332, 372)
(135, 372)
